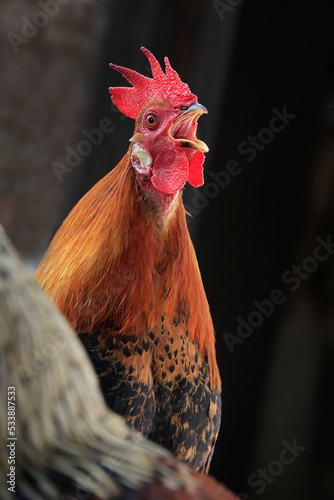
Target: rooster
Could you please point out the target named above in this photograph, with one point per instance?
(63, 442)
(123, 270)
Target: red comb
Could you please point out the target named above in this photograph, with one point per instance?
(131, 100)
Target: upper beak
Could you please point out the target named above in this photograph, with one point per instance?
(184, 128)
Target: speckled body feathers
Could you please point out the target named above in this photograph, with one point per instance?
(159, 382)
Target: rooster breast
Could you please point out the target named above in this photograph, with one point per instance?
(159, 382)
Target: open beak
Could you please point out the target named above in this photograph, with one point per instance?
(183, 129)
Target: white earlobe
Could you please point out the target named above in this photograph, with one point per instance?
(141, 160)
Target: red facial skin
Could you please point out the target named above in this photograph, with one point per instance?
(170, 163)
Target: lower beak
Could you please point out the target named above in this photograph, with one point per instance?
(184, 128)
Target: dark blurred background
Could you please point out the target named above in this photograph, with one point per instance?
(265, 71)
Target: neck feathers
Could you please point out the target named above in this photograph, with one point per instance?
(116, 264)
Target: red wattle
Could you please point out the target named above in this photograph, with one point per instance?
(195, 176)
(170, 170)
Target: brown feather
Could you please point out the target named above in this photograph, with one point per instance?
(68, 444)
(115, 261)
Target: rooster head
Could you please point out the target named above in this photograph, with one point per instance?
(165, 150)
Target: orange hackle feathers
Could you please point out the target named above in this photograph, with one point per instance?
(111, 262)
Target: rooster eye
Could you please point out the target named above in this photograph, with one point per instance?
(151, 121)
